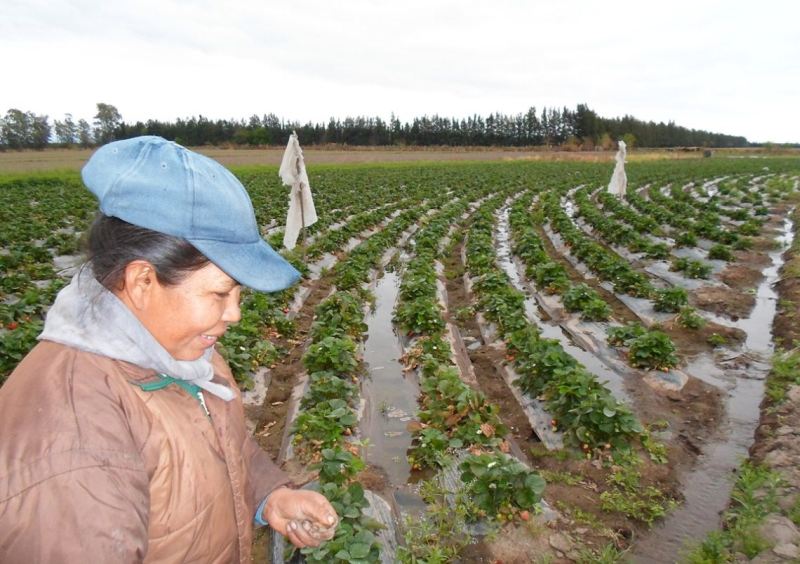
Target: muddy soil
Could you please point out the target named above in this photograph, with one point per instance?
(271, 423)
(777, 438)
(722, 301)
(741, 277)
(786, 328)
(691, 418)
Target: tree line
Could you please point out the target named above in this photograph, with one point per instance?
(580, 128)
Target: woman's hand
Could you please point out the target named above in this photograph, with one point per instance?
(305, 517)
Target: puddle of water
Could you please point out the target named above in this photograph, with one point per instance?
(703, 368)
(759, 325)
(707, 487)
(391, 392)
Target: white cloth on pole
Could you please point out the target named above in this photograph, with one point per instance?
(619, 181)
(293, 173)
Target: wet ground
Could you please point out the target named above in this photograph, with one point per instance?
(707, 426)
(391, 392)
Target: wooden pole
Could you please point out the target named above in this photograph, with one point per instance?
(300, 195)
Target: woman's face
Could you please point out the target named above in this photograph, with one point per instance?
(190, 317)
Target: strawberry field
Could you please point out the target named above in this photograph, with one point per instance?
(501, 362)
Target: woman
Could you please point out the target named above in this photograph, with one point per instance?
(123, 434)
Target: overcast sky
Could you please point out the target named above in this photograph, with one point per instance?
(724, 66)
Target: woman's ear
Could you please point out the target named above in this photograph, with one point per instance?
(139, 282)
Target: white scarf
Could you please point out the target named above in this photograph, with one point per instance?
(88, 317)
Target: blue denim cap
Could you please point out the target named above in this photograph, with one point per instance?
(159, 185)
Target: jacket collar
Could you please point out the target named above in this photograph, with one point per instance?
(88, 317)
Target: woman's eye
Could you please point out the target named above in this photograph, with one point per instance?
(222, 294)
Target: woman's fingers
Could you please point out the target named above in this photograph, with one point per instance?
(321, 511)
(301, 535)
(320, 533)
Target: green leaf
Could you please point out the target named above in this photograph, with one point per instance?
(358, 550)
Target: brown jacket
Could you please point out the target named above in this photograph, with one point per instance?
(95, 469)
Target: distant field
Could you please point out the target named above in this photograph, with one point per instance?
(73, 159)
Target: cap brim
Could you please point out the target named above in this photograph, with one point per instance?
(255, 265)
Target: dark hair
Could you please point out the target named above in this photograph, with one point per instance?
(112, 244)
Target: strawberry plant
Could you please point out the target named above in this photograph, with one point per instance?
(354, 540)
(582, 298)
(504, 307)
(689, 318)
(633, 283)
(537, 360)
(351, 544)
(340, 314)
(338, 466)
(324, 386)
(692, 268)
(422, 283)
(15, 342)
(587, 412)
(451, 415)
(653, 350)
(500, 486)
(596, 310)
(337, 354)
(656, 251)
(434, 348)
(322, 426)
(686, 239)
(716, 340)
(430, 448)
(420, 316)
(670, 300)
(551, 277)
(623, 336)
(720, 252)
(750, 227)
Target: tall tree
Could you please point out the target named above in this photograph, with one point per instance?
(17, 128)
(85, 133)
(66, 131)
(40, 131)
(106, 122)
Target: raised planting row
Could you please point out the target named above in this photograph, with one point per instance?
(607, 265)
(453, 419)
(328, 413)
(620, 233)
(582, 408)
